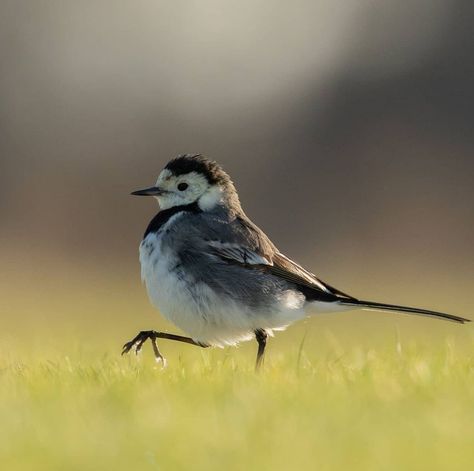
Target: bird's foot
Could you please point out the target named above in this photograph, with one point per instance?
(138, 341)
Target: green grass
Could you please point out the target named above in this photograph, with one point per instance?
(364, 391)
(394, 407)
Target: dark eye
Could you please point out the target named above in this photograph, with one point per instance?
(182, 186)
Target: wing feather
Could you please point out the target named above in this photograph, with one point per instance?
(249, 248)
(237, 253)
(280, 266)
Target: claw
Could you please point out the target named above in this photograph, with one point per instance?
(138, 342)
(127, 347)
(143, 336)
(139, 345)
(158, 356)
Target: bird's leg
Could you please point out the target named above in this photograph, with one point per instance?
(261, 337)
(144, 335)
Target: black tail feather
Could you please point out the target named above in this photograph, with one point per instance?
(411, 310)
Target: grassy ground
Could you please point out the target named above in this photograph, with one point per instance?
(368, 409)
(358, 391)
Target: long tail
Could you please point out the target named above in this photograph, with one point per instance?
(410, 310)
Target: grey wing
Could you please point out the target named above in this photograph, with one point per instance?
(283, 268)
(217, 252)
(313, 288)
(237, 258)
(241, 244)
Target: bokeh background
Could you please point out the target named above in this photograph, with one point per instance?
(347, 127)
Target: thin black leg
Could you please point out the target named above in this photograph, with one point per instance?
(261, 337)
(152, 335)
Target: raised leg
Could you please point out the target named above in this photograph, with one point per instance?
(261, 337)
(144, 335)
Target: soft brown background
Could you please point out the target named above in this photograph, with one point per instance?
(347, 127)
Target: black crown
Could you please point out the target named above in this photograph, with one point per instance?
(187, 163)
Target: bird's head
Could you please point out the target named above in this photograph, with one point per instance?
(191, 179)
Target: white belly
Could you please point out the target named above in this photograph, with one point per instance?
(198, 310)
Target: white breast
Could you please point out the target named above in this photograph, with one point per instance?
(167, 290)
(195, 308)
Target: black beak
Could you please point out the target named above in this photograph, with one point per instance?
(152, 191)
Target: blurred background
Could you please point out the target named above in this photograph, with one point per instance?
(346, 125)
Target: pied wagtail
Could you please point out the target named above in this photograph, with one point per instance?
(218, 277)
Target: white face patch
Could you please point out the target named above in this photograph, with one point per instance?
(186, 189)
(210, 198)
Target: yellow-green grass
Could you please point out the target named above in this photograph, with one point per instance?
(354, 391)
(393, 407)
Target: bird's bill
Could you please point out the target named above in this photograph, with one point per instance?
(152, 191)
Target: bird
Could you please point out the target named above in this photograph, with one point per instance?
(217, 276)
